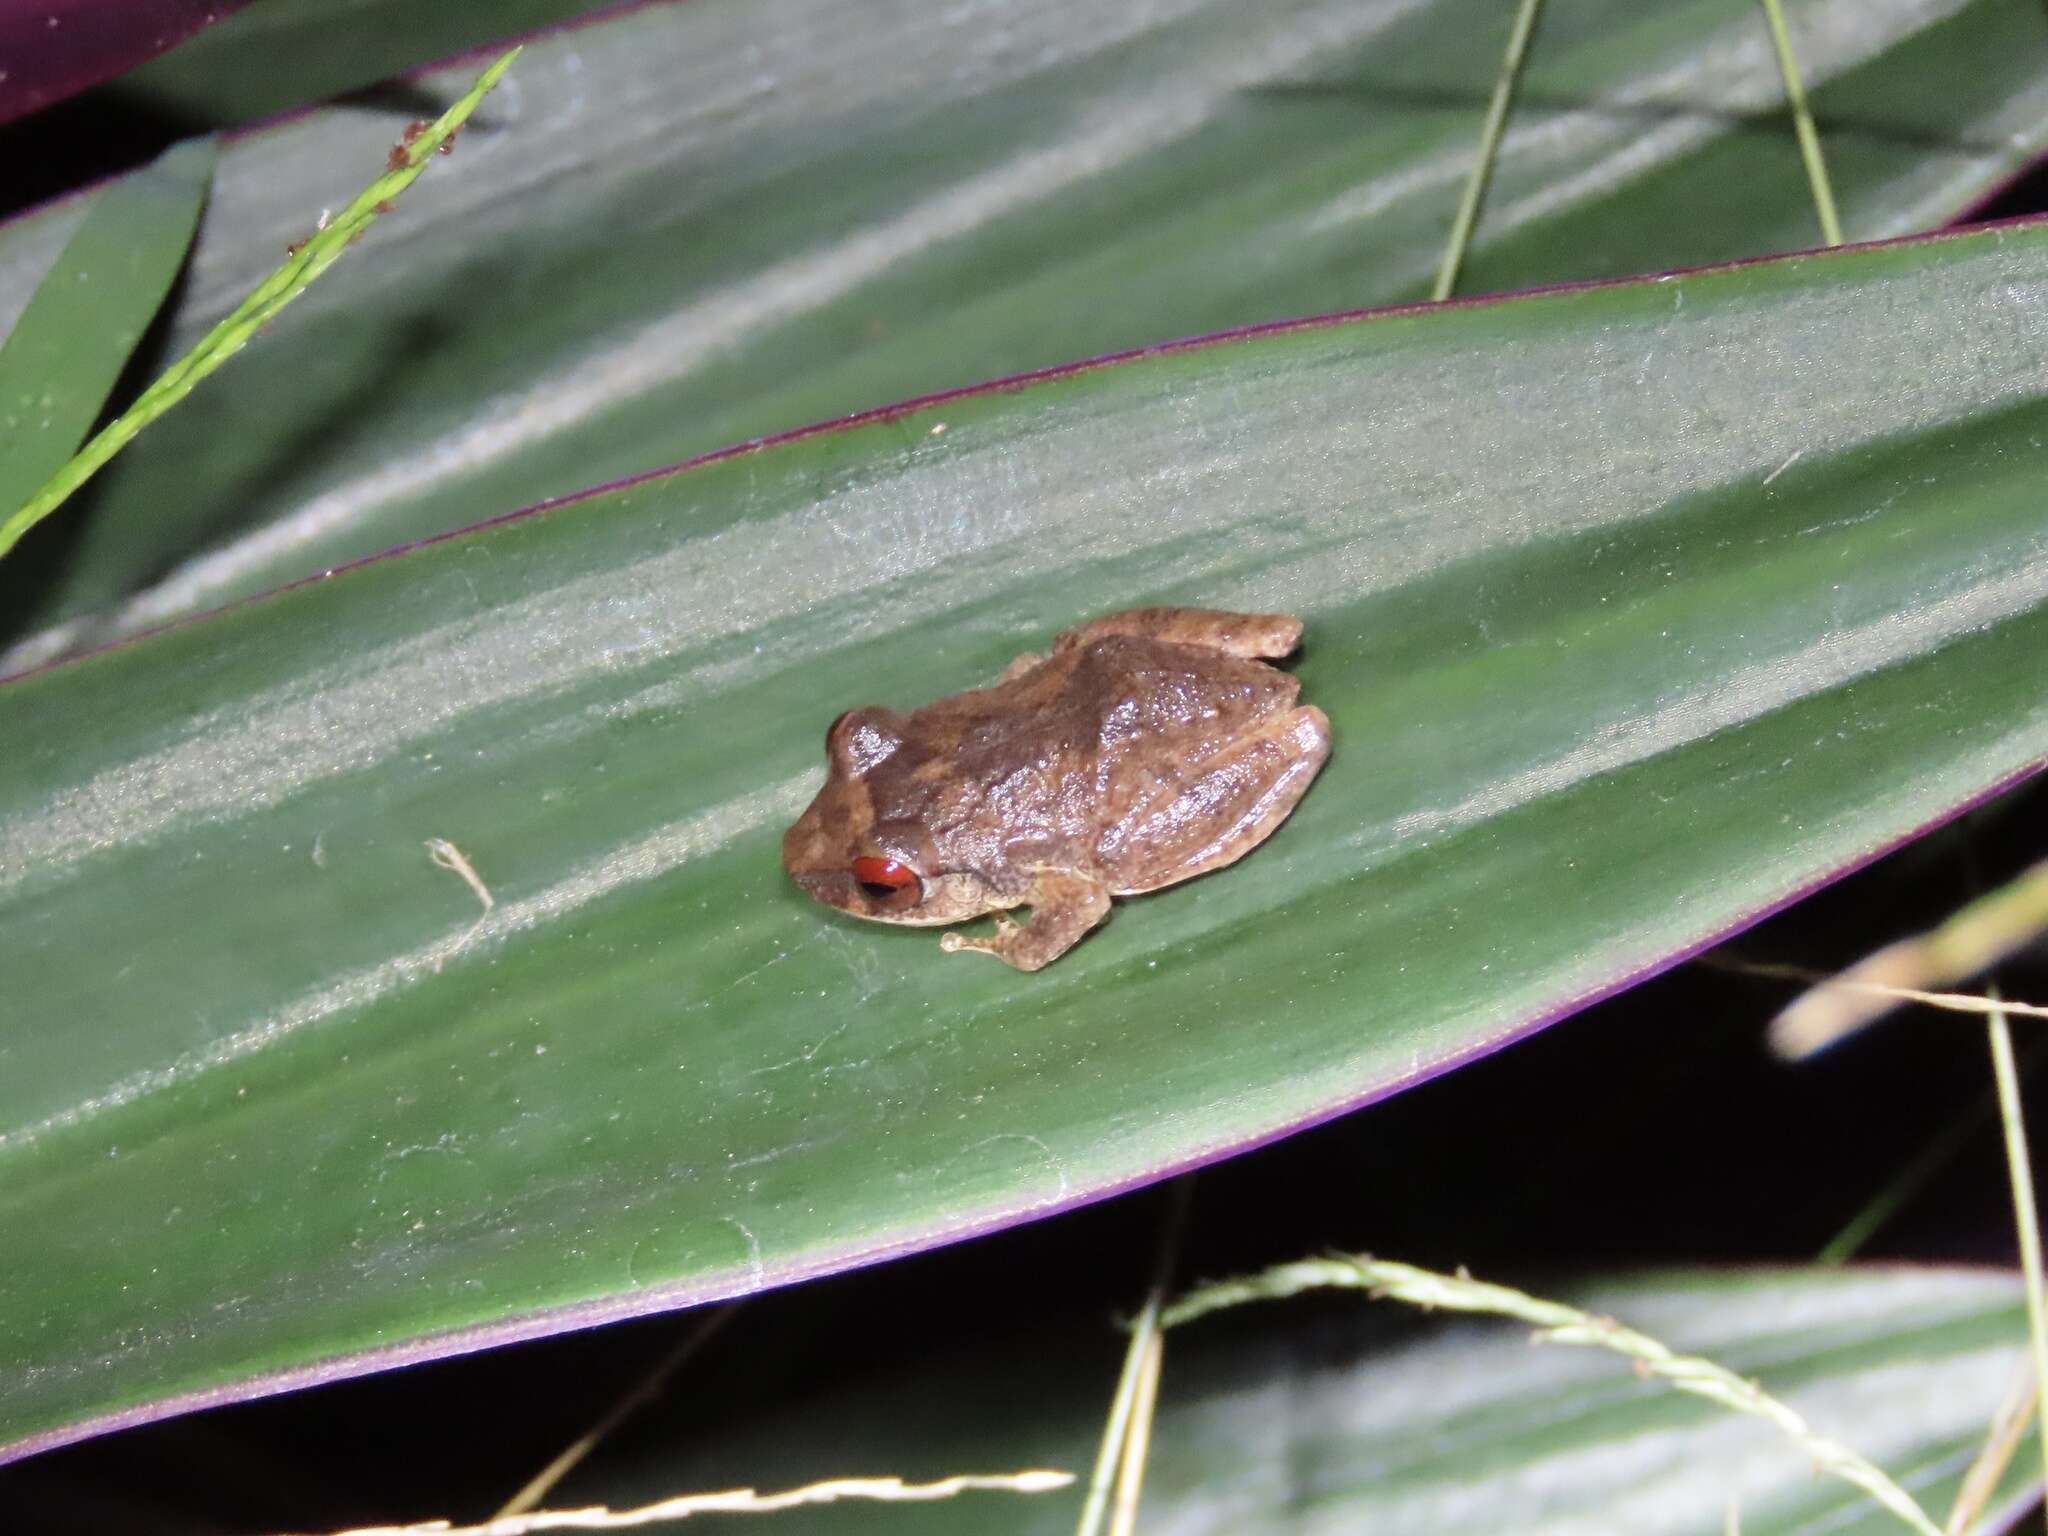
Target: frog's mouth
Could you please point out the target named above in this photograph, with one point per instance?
(839, 856)
(930, 903)
(883, 903)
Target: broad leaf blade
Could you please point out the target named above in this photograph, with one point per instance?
(1315, 1420)
(1600, 693)
(692, 224)
(289, 53)
(61, 357)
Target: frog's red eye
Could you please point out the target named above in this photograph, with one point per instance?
(884, 878)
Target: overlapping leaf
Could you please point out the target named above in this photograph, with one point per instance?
(61, 358)
(1343, 1418)
(694, 223)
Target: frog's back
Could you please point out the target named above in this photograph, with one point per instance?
(1150, 693)
(1170, 751)
(1059, 763)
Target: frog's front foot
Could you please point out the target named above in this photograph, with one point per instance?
(1006, 934)
(1064, 906)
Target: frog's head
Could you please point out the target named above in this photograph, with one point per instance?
(885, 869)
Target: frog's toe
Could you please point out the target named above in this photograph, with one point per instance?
(954, 942)
(960, 944)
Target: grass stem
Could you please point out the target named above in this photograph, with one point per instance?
(2025, 1216)
(1917, 1175)
(1127, 1437)
(1559, 1324)
(1102, 1482)
(1974, 939)
(1802, 123)
(649, 1387)
(1489, 148)
(2008, 1428)
(302, 265)
(1130, 1481)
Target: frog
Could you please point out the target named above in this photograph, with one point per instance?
(1147, 747)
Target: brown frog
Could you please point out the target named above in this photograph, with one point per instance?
(1151, 746)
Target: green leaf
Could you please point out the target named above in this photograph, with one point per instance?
(1637, 610)
(70, 342)
(692, 224)
(1360, 1418)
(292, 53)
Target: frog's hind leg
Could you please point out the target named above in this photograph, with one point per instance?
(1234, 634)
(1225, 806)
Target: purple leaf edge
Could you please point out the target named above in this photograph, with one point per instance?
(63, 47)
